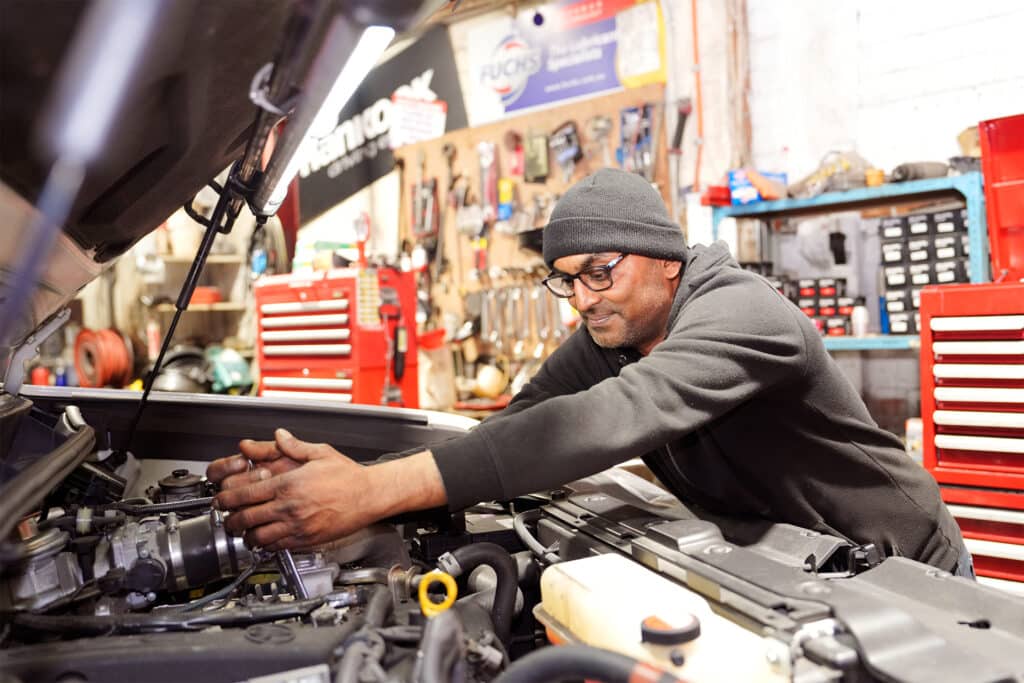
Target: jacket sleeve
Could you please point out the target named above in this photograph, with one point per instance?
(727, 346)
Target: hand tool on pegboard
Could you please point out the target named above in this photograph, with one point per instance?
(441, 263)
(514, 148)
(599, 129)
(487, 153)
(675, 151)
(565, 145)
(390, 312)
(635, 152)
(424, 224)
(535, 161)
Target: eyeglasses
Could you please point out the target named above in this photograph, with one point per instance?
(596, 279)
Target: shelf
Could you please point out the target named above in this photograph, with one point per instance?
(884, 342)
(968, 185)
(212, 258)
(225, 306)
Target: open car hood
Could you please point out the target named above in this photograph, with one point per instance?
(187, 116)
(189, 119)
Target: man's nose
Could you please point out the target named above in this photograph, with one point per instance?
(583, 296)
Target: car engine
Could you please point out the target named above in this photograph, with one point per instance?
(117, 568)
(100, 588)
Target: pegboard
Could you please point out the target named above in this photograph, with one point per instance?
(506, 260)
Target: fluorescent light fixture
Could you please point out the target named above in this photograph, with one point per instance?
(369, 47)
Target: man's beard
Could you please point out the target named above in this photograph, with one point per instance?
(628, 336)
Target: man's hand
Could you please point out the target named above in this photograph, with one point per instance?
(258, 460)
(302, 495)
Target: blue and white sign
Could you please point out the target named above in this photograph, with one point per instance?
(559, 52)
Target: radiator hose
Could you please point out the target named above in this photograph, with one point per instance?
(467, 558)
(573, 662)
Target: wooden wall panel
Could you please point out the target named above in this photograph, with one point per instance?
(504, 252)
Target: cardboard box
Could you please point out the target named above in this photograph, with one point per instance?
(743, 191)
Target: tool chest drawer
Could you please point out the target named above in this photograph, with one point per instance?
(992, 522)
(972, 384)
(338, 335)
(972, 410)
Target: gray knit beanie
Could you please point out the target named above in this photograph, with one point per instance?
(612, 210)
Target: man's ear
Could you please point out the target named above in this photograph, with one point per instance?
(672, 269)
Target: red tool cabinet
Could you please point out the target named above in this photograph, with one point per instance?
(1002, 162)
(972, 407)
(322, 336)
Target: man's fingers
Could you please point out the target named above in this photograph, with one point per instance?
(223, 468)
(274, 536)
(296, 449)
(245, 478)
(259, 451)
(246, 518)
(242, 496)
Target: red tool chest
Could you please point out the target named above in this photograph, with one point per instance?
(972, 407)
(326, 336)
(1002, 162)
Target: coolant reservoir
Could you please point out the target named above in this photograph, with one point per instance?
(611, 602)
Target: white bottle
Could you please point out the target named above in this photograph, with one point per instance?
(859, 318)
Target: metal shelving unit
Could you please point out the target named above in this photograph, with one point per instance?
(968, 186)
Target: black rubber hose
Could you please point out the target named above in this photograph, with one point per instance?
(379, 607)
(497, 558)
(442, 648)
(573, 662)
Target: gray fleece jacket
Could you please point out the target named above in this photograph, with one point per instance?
(739, 410)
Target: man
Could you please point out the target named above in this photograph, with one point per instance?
(722, 384)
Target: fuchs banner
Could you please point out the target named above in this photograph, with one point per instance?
(358, 151)
(558, 52)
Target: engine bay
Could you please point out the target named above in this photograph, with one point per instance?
(115, 566)
(118, 572)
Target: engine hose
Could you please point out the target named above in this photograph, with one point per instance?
(572, 662)
(519, 523)
(137, 510)
(379, 607)
(441, 649)
(222, 593)
(70, 522)
(469, 557)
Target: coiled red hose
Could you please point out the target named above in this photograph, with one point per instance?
(102, 358)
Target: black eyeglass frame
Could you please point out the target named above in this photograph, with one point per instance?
(606, 269)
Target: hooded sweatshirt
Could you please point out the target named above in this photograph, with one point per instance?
(739, 410)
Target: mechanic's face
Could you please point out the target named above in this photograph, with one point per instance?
(633, 312)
